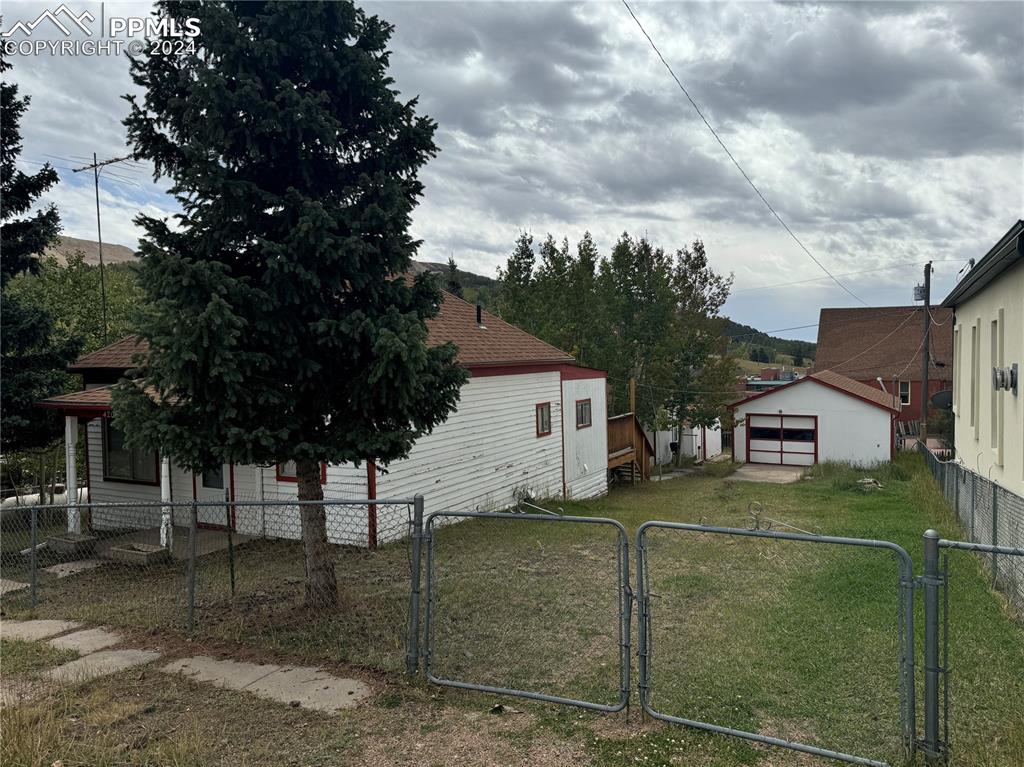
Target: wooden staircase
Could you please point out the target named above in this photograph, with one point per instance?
(629, 450)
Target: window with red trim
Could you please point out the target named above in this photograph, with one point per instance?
(543, 419)
(286, 472)
(584, 414)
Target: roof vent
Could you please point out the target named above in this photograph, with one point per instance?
(480, 317)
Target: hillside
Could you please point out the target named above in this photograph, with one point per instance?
(746, 336)
(112, 254)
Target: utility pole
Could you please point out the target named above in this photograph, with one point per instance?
(927, 352)
(632, 395)
(95, 168)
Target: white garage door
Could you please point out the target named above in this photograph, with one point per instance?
(788, 440)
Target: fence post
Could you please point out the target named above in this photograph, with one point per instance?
(231, 543)
(931, 581)
(995, 531)
(974, 505)
(33, 561)
(193, 533)
(412, 656)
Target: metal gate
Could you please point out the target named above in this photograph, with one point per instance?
(441, 606)
(902, 623)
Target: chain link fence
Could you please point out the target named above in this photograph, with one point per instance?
(232, 571)
(530, 605)
(738, 623)
(990, 515)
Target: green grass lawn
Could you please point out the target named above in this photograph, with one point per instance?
(788, 639)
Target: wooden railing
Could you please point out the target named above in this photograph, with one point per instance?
(627, 444)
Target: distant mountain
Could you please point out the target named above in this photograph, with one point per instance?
(112, 254)
(744, 335)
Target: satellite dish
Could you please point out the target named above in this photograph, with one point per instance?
(943, 400)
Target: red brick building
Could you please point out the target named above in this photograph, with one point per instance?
(869, 343)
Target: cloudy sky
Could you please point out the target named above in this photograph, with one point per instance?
(885, 134)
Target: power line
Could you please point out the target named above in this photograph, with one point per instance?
(734, 161)
(819, 279)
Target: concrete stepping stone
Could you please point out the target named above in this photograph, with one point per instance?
(36, 629)
(7, 586)
(100, 664)
(86, 641)
(292, 685)
(230, 674)
(310, 688)
(64, 569)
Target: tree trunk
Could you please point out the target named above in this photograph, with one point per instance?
(321, 582)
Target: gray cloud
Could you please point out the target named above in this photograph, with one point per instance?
(881, 131)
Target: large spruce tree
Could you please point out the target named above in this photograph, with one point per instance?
(280, 323)
(33, 363)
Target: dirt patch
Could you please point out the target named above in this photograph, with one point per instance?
(467, 738)
(799, 732)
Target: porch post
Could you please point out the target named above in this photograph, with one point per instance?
(71, 472)
(166, 522)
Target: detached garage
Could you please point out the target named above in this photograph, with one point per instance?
(823, 417)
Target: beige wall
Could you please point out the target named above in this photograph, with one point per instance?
(989, 332)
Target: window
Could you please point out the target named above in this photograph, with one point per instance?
(975, 372)
(904, 393)
(583, 414)
(957, 367)
(543, 419)
(124, 464)
(766, 432)
(214, 478)
(798, 435)
(286, 472)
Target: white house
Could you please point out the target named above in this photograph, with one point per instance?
(822, 417)
(529, 421)
(701, 442)
(988, 336)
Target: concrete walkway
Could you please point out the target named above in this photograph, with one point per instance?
(758, 472)
(302, 686)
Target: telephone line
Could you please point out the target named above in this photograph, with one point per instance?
(736, 163)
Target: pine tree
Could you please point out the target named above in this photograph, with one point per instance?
(280, 321)
(453, 286)
(33, 363)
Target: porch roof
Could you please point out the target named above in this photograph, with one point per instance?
(89, 402)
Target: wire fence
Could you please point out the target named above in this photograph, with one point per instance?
(232, 571)
(990, 515)
(774, 616)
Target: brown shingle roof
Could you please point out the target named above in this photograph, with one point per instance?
(870, 342)
(856, 388)
(834, 381)
(496, 343)
(116, 356)
(98, 398)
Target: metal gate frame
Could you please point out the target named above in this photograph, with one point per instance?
(905, 624)
(936, 747)
(625, 609)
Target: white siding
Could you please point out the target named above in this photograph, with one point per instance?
(693, 442)
(586, 450)
(849, 429)
(487, 450)
(111, 491)
(989, 423)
